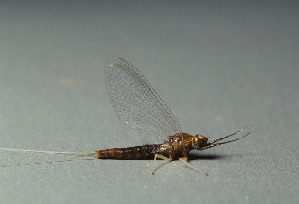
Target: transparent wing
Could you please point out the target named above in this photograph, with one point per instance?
(136, 103)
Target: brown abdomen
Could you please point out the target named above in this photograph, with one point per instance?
(138, 152)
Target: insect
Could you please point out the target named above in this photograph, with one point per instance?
(139, 107)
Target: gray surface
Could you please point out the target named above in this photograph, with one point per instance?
(219, 66)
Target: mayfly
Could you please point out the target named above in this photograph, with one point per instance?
(139, 107)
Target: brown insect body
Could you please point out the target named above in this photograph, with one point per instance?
(177, 146)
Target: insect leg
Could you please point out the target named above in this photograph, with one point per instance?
(214, 141)
(221, 143)
(161, 157)
(184, 159)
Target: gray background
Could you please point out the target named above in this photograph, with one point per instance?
(218, 65)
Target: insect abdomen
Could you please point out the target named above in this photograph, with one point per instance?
(138, 152)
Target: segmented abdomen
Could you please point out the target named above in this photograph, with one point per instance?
(138, 152)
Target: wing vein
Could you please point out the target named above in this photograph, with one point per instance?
(136, 103)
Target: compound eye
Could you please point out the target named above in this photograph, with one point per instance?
(200, 137)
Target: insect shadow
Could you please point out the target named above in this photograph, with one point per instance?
(194, 156)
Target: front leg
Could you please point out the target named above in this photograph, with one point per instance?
(185, 160)
(161, 157)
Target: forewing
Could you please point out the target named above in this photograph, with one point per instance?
(136, 103)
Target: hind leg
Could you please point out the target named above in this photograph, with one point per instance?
(161, 157)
